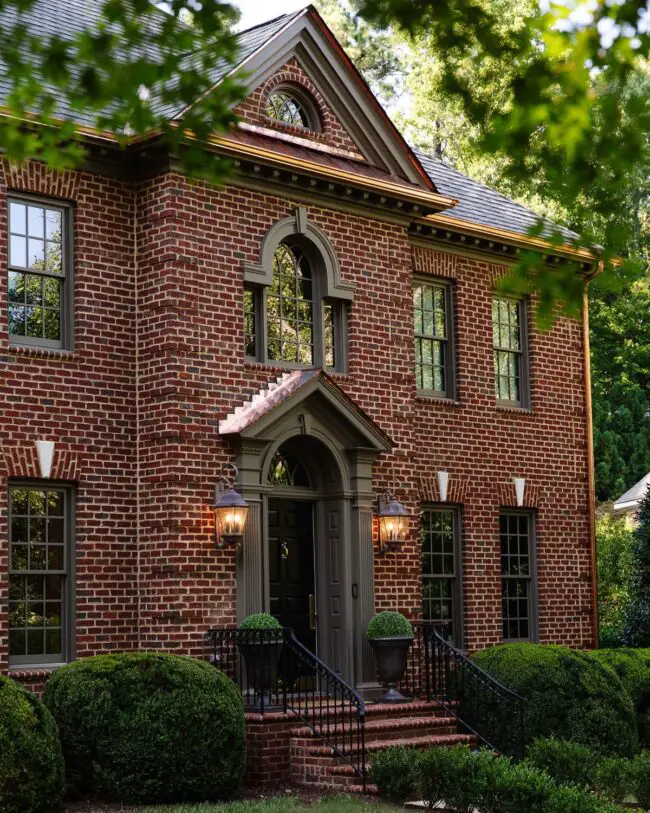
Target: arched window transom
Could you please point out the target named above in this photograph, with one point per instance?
(287, 470)
(288, 108)
(290, 308)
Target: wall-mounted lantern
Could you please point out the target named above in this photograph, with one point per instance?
(230, 513)
(393, 524)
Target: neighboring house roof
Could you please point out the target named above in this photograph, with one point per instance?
(633, 496)
(479, 203)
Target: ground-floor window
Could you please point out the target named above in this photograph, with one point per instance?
(442, 570)
(40, 574)
(518, 575)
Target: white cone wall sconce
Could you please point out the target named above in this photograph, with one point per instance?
(520, 487)
(45, 451)
(443, 485)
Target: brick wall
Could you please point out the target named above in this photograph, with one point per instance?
(84, 400)
(159, 361)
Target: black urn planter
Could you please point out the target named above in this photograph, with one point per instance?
(261, 659)
(390, 657)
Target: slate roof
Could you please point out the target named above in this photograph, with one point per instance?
(634, 494)
(67, 19)
(479, 203)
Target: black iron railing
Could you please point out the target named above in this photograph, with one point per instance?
(436, 670)
(276, 672)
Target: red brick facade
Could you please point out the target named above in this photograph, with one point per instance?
(158, 361)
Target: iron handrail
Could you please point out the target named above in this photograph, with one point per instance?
(481, 705)
(294, 680)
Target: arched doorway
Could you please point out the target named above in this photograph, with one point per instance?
(306, 513)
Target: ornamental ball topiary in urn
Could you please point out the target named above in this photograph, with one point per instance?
(390, 635)
(260, 641)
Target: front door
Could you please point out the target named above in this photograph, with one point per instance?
(291, 567)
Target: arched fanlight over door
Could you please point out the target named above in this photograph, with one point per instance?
(287, 470)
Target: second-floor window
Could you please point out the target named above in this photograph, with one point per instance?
(39, 273)
(510, 351)
(433, 334)
(291, 322)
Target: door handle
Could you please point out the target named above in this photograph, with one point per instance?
(313, 613)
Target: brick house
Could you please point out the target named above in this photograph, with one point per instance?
(328, 322)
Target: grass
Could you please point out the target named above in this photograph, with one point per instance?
(282, 804)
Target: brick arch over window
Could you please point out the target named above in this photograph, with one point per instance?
(332, 133)
(330, 295)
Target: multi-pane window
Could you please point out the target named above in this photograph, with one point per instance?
(441, 571)
(518, 575)
(433, 341)
(40, 581)
(292, 321)
(39, 273)
(289, 308)
(285, 106)
(509, 342)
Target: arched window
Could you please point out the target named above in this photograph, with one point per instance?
(290, 107)
(287, 470)
(290, 308)
(295, 303)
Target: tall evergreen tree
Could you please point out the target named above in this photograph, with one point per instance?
(637, 616)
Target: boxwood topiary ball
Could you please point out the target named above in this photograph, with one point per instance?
(390, 624)
(149, 728)
(31, 765)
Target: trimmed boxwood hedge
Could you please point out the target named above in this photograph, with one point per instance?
(31, 764)
(149, 728)
(633, 668)
(568, 694)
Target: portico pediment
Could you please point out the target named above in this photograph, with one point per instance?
(297, 399)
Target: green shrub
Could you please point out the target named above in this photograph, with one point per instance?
(567, 694)
(515, 788)
(431, 775)
(640, 771)
(390, 625)
(260, 621)
(633, 668)
(565, 761)
(569, 799)
(31, 765)
(454, 767)
(613, 778)
(395, 773)
(144, 727)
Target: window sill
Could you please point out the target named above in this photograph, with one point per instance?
(425, 397)
(34, 351)
(520, 410)
(38, 670)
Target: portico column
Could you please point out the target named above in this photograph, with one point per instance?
(363, 578)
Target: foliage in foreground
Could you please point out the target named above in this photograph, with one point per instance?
(144, 727)
(466, 780)
(31, 765)
(284, 804)
(614, 544)
(633, 668)
(637, 611)
(567, 694)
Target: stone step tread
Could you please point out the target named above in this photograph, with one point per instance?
(382, 724)
(433, 740)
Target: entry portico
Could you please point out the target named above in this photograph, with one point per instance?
(306, 425)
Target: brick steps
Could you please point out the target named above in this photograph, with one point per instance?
(383, 728)
(420, 724)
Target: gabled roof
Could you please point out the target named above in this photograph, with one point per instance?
(292, 389)
(482, 205)
(634, 495)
